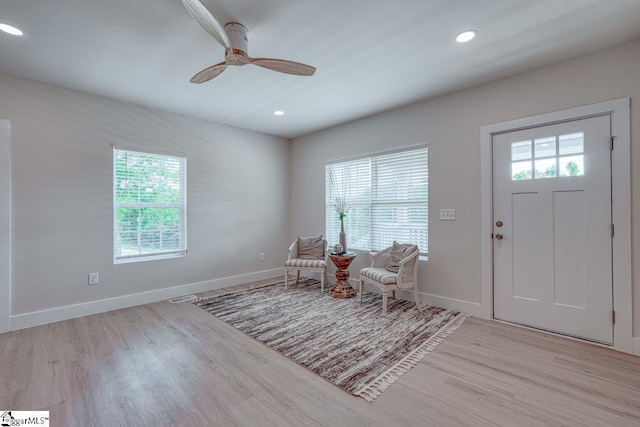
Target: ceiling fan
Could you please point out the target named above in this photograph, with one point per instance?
(233, 37)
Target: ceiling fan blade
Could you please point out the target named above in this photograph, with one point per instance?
(283, 66)
(205, 18)
(209, 73)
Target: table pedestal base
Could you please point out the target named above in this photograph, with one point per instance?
(342, 289)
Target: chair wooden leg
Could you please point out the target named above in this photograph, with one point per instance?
(298, 277)
(360, 289)
(416, 296)
(286, 277)
(393, 294)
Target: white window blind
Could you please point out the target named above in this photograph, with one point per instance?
(387, 197)
(150, 203)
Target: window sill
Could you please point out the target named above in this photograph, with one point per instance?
(149, 258)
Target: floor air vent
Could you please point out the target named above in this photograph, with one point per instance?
(182, 299)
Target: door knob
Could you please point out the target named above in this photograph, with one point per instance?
(499, 236)
(498, 223)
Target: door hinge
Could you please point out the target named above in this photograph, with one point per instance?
(613, 230)
(613, 317)
(611, 138)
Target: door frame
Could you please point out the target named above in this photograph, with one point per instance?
(619, 110)
(5, 226)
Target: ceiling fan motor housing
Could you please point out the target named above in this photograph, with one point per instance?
(237, 34)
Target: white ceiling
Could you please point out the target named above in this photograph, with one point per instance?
(371, 55)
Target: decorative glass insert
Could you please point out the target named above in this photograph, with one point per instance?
(520, 150)
(572, 165)
(571, 144)
(551, 157)
(520, 170)
(545, 147)
(546, 168)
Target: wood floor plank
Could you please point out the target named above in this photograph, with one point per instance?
(166, 364)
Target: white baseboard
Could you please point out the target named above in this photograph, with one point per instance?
(636, 346)
(58, 314)
(471, 308)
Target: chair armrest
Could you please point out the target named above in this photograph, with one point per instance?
(293, 250)
(408, 269)
(381, 258)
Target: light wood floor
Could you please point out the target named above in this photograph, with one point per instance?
(176, 365)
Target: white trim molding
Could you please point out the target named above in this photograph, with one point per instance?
(5, 226)
(58, 314)
(468, 307)
(619, 110)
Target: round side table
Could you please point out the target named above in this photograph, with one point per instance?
(342, 289)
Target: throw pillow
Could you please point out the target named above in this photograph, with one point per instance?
(311, 247)
(398, 253)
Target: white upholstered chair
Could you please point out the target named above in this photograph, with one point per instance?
(294, 262)
(406, 278)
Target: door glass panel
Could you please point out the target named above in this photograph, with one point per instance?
(572, 165)
(553, 156)
(520, 150)
(546, 168)
(572, 143)
(545, 147)
(520, 170)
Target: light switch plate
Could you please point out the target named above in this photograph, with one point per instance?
(447, 214)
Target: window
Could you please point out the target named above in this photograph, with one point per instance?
(387, 199)
(549, 157)
(150, 204)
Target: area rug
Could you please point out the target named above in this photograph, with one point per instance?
(349, 344)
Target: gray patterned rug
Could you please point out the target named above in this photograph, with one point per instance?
(350, 345)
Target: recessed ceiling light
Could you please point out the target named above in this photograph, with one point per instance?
(466, 36)
(10, 29)
(278, 113)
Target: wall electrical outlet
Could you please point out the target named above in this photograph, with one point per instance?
(261, 256)
(93, 278)
(447, 214)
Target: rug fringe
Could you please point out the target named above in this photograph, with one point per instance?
(371, 391)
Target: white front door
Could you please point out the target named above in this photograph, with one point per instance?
(552, 228)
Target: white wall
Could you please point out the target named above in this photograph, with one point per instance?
(238, 193)
(451, 126)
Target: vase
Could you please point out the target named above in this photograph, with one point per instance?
(343, 236)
